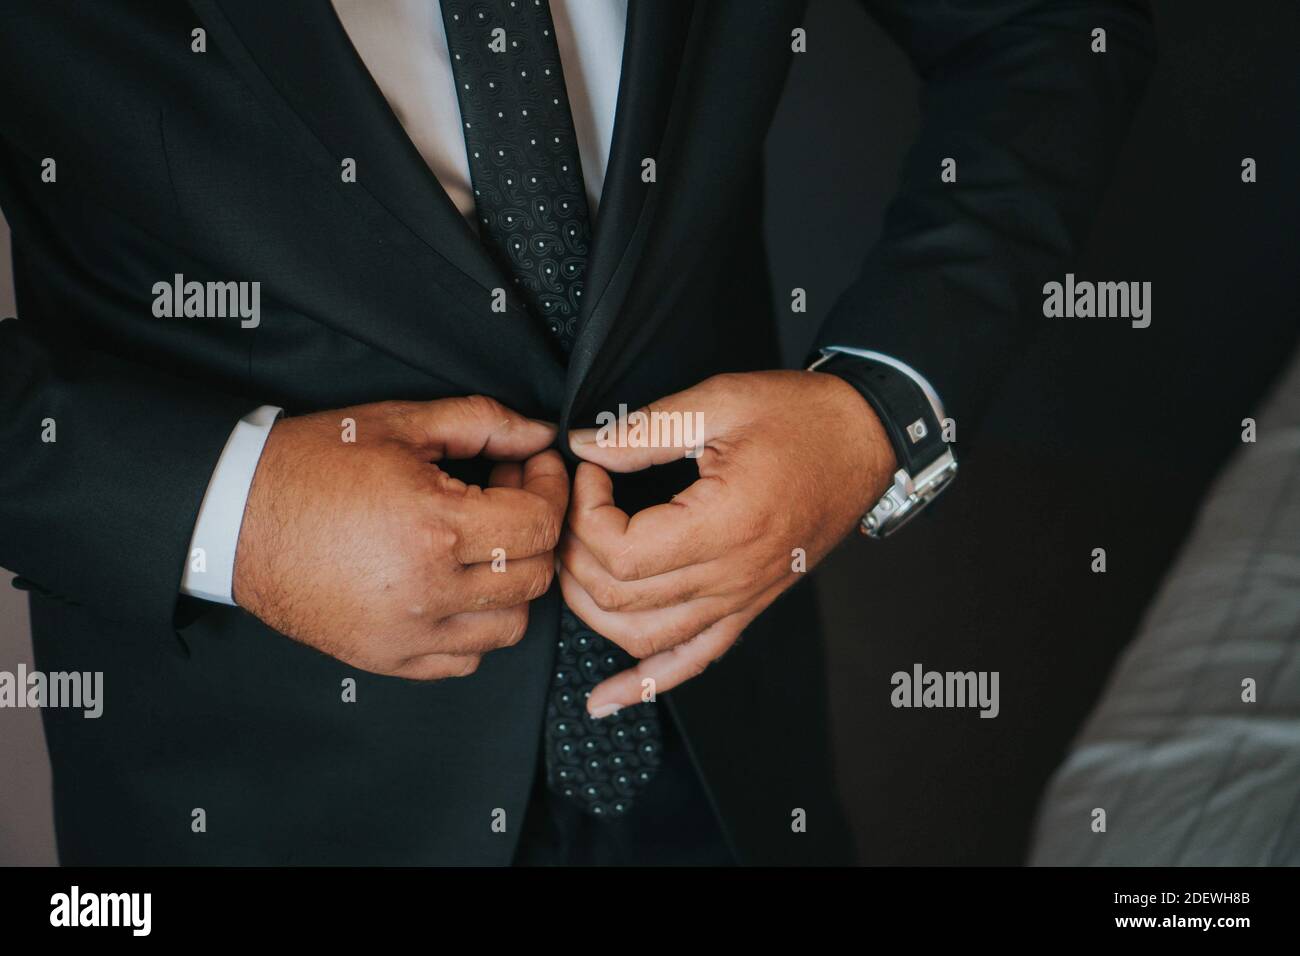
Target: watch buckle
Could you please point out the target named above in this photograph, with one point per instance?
(908, 496)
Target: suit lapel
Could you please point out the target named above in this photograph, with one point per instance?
(688, 104)
(300, 59)
(301, 54)
(653, 59)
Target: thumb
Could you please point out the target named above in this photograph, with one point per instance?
(663, 431)
(472, 426)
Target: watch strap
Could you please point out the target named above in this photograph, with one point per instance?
(900, 403)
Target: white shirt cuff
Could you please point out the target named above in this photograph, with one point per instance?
(210, 567)
(931, 395)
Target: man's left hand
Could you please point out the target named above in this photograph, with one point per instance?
(789, 461)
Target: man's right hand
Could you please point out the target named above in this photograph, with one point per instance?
(369, 552)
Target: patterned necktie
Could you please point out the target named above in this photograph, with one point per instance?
(532, 215)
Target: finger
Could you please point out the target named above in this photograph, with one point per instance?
(668, 669)
(500, 583)
(546, 476)
(514, 522)
(420, 666)
(710, 579)
(485, 584)
(698, 525)
(472, 426)
(477, 632)
(666, 430)
(436, 667)
(671, 668)
(644, 633)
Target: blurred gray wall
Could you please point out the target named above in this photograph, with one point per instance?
(27, 823)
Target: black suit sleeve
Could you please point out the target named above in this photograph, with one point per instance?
(102, 515)
(1034, 119)
(104, 459)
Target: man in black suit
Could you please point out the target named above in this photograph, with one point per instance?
(403, 249)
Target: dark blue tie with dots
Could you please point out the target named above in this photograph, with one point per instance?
(532, 215)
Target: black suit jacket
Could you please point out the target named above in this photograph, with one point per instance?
(225, 165)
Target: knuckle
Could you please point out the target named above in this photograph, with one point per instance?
(547, 531)
(384, 666)
(516, 626)
(439, 538)
(609, 596)
(444, 484)
(482, 405)
(623, 566)
(682, 632)
(751, 528)
(424, 674)
(638, 645)
(420, 670)
(688, 592)
(479, 600)
(728, 383)
(575, 521)
(697, 667)
(541, 580)
(400, 417)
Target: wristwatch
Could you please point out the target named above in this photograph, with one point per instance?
(913, 418)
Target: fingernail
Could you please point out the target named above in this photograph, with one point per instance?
(582, 436)
(605, 710)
